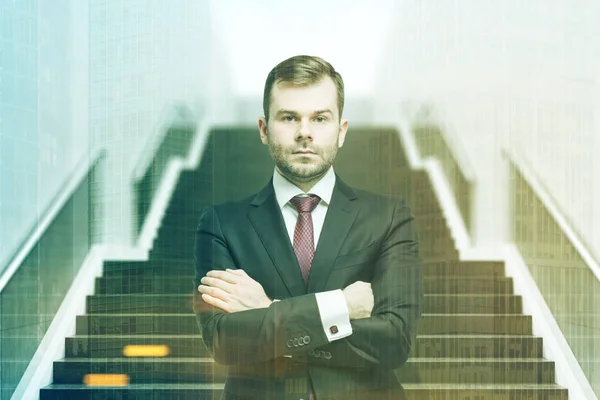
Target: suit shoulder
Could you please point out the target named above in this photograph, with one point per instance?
(231, 207)
(379, 198)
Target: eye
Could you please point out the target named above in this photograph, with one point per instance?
(320, 119)
(289, 118)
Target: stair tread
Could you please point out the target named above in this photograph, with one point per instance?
(151, 336)
(472, 315)
(409, 386)
(458, 278)
(472, 359)
(197, 336)
(474, 336)
(171, 295)
(136, 359)
(151, 315)
(172, 386)
(210, 360)
(412, 386)
(427, 277)
(192, 314)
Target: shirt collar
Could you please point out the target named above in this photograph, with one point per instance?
(286, 190)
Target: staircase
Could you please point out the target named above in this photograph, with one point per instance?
(473, 342)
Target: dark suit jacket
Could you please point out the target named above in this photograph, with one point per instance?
(365, 236)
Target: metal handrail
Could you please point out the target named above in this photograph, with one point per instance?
(438, 116)
(64, 193)
(554, 210)
(170, 115)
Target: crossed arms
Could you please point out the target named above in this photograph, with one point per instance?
(262, 331)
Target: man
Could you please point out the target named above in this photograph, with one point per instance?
(343, 312)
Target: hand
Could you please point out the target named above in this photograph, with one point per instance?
(232, 290)
(359, 297)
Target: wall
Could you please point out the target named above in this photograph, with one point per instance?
(76, 75)
(36, 53)
(144, 58)
(522, 75)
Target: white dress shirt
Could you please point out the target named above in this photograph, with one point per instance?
(332, 304)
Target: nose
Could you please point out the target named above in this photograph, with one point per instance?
(304, 129)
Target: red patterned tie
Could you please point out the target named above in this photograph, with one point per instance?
(304, 239)
(304, 242)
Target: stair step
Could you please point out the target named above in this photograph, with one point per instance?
(471, 285)
(136, 391)
(145, 284)
(164, 266)
(182, 284)
(480, 371)
(145, 324)
(112, 345)
(140, 304)
(182, 303)
(188, 391)
(511, 324)
(462, 391)
(416, 370)
(172, 265)
(141, 370)
(478, 346)
(463, 268)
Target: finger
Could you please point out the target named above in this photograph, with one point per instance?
(213, 301)
(239, 272)
(214, 292)
(223, 275)
(218, 283)
(203, 289)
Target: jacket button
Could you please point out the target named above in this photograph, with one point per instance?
(327, 355)
(306, 339)
(290, 343)
(295, 342)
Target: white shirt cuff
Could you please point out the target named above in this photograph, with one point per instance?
(335, 316)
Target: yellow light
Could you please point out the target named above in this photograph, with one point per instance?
(106, 380)
(159, 350)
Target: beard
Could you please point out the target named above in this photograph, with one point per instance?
(293, 166)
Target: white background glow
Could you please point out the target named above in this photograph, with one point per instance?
(259, 34)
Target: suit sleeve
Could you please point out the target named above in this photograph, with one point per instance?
(384, 339)
(287, 327)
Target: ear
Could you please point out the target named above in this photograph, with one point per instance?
(262, 129)
(342, 132)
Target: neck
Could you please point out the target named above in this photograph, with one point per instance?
(304, 185)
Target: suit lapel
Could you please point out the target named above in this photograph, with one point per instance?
(341, 213)
(265, 216)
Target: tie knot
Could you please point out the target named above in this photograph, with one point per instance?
(305, 204)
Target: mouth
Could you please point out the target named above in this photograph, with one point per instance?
(304, 152)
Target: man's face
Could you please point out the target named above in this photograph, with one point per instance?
(304, 130)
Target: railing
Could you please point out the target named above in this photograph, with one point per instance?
(39, 275)
(558, 259)
(431, 141)
(174, 139)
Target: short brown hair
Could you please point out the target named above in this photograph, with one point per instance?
(303, 70)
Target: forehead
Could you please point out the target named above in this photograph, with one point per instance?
(304, 99)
